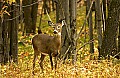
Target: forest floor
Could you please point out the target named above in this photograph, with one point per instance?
(84, 67)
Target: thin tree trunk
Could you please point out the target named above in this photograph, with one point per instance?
(34, 15)
(39, 28)
(49, 6)
(1, 39)
(45, 6)
(53, 7)
(119, 39)
(27, 15)
(90, 27)
(65, 38)
(21, 20)
(99, 28)
(73, 29)
(5, 39)
(14, 38)
(61, 8)
(104, 12)
(57, 12)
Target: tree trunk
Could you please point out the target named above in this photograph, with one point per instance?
(57, 12)
(27, 16)
(65, 38)
(5, 39)
(109, 39)
(22, 27)
(45, 6)
(104, 12)
(1, 39)
(90, 27)
(13, 37)
(53, 7)
(34, 15)
(60, 7)
(119, 39)
(73, 29)
(99, 28)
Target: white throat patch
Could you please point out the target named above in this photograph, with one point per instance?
(59, 33)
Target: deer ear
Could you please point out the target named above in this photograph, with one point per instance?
(50, 23)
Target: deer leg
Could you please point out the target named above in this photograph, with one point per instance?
(55, 62)
(34, 60)
(56, 58)
(51, 60)
(41, 60)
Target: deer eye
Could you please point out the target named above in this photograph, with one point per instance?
(58, 27)
(54, 27)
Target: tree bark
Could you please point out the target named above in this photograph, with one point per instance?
(98, 22)
(119, 39)
(27, 16)
(13, 37)
(73, 29)
(45, 6)
(90, 27)
(5, 39)
(53, 7)
(104, 12)
(34, 15)
(1, 39)
(57, 11)
(109, 39)
(65, 38)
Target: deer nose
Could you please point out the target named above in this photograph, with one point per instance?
(55, 32)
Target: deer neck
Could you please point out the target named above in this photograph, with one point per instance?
(57, 38)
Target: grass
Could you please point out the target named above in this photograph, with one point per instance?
(84, 67)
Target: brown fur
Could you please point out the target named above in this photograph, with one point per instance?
(47, 45)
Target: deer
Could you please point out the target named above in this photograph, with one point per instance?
(45, 44)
